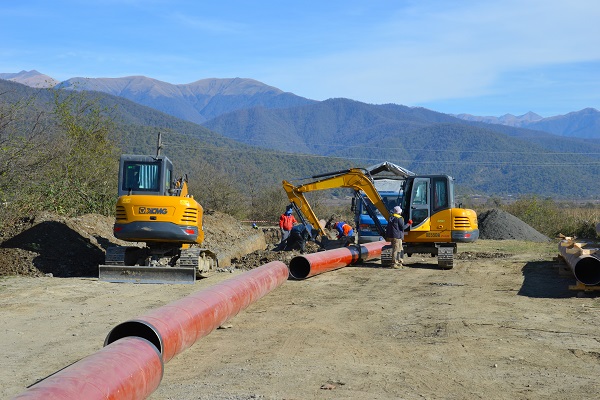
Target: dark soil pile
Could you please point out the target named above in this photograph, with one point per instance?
(496, 224)
(47, 244)
(261, 257)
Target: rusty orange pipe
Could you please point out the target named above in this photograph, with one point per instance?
(178, 325)
(128, 369)
(305, 266)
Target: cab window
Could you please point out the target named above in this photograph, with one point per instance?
(440, 194)
(141, 176)
(420, 193)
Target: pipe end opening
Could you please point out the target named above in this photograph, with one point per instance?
(587, 271)
(135, 328)
(299, 268)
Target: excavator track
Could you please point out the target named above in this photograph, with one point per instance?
(115, 255)
(386, 255)
(446, 257)
(203, 261)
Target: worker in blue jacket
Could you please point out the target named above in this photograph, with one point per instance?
(344, 230)
(299, 235)
(394, 233)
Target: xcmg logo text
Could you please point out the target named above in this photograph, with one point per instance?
(144, 210)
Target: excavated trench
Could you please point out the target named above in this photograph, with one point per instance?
(51, 245)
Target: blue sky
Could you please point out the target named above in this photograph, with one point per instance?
(478, 57)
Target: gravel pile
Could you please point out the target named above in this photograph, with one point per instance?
(499, 225)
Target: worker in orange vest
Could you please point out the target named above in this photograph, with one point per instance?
(286, 223)
(343, 230)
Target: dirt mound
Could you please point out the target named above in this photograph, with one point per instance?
(499, 225)
(229, 238)
(261, 257)
(48, 244)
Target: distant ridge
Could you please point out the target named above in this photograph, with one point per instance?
(207, 99)
(581, 124)
(197, 101)
(506, 119)
(31, 78)
(322, 136)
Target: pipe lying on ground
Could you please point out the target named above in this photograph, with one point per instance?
(178, 325)
(585, 267)
(305, 266)
(129, 369)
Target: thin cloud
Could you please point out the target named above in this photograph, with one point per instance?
(213, 26)
(422, 54)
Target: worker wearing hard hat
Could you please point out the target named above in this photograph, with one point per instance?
(286, 223)
(395, 234)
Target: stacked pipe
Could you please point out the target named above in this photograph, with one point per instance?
(130, 366)
(584, 263)
(305, 266)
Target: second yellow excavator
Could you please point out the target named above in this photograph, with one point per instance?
(155, 211)
(438, 225)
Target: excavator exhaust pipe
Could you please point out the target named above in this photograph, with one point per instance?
(305, 266)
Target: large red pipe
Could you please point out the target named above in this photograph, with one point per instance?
(305, 266)
(178, 325)
(129, 369)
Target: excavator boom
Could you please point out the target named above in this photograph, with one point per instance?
(354, 178)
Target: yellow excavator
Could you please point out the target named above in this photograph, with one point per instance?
(438, 225)
(155, 211)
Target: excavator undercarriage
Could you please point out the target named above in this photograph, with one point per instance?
(150, 265)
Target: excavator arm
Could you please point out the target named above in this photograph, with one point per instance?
(354, 178)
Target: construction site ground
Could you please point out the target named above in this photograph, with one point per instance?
(502, 324)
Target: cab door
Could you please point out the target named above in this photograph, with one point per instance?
(420, 199)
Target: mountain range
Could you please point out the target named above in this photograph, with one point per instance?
(206, 99)
(557, 156)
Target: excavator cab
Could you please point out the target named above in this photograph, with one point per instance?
(145, 175)
(427, 195)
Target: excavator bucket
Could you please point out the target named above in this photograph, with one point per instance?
(143, 274)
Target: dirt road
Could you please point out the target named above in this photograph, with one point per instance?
(501, 325)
